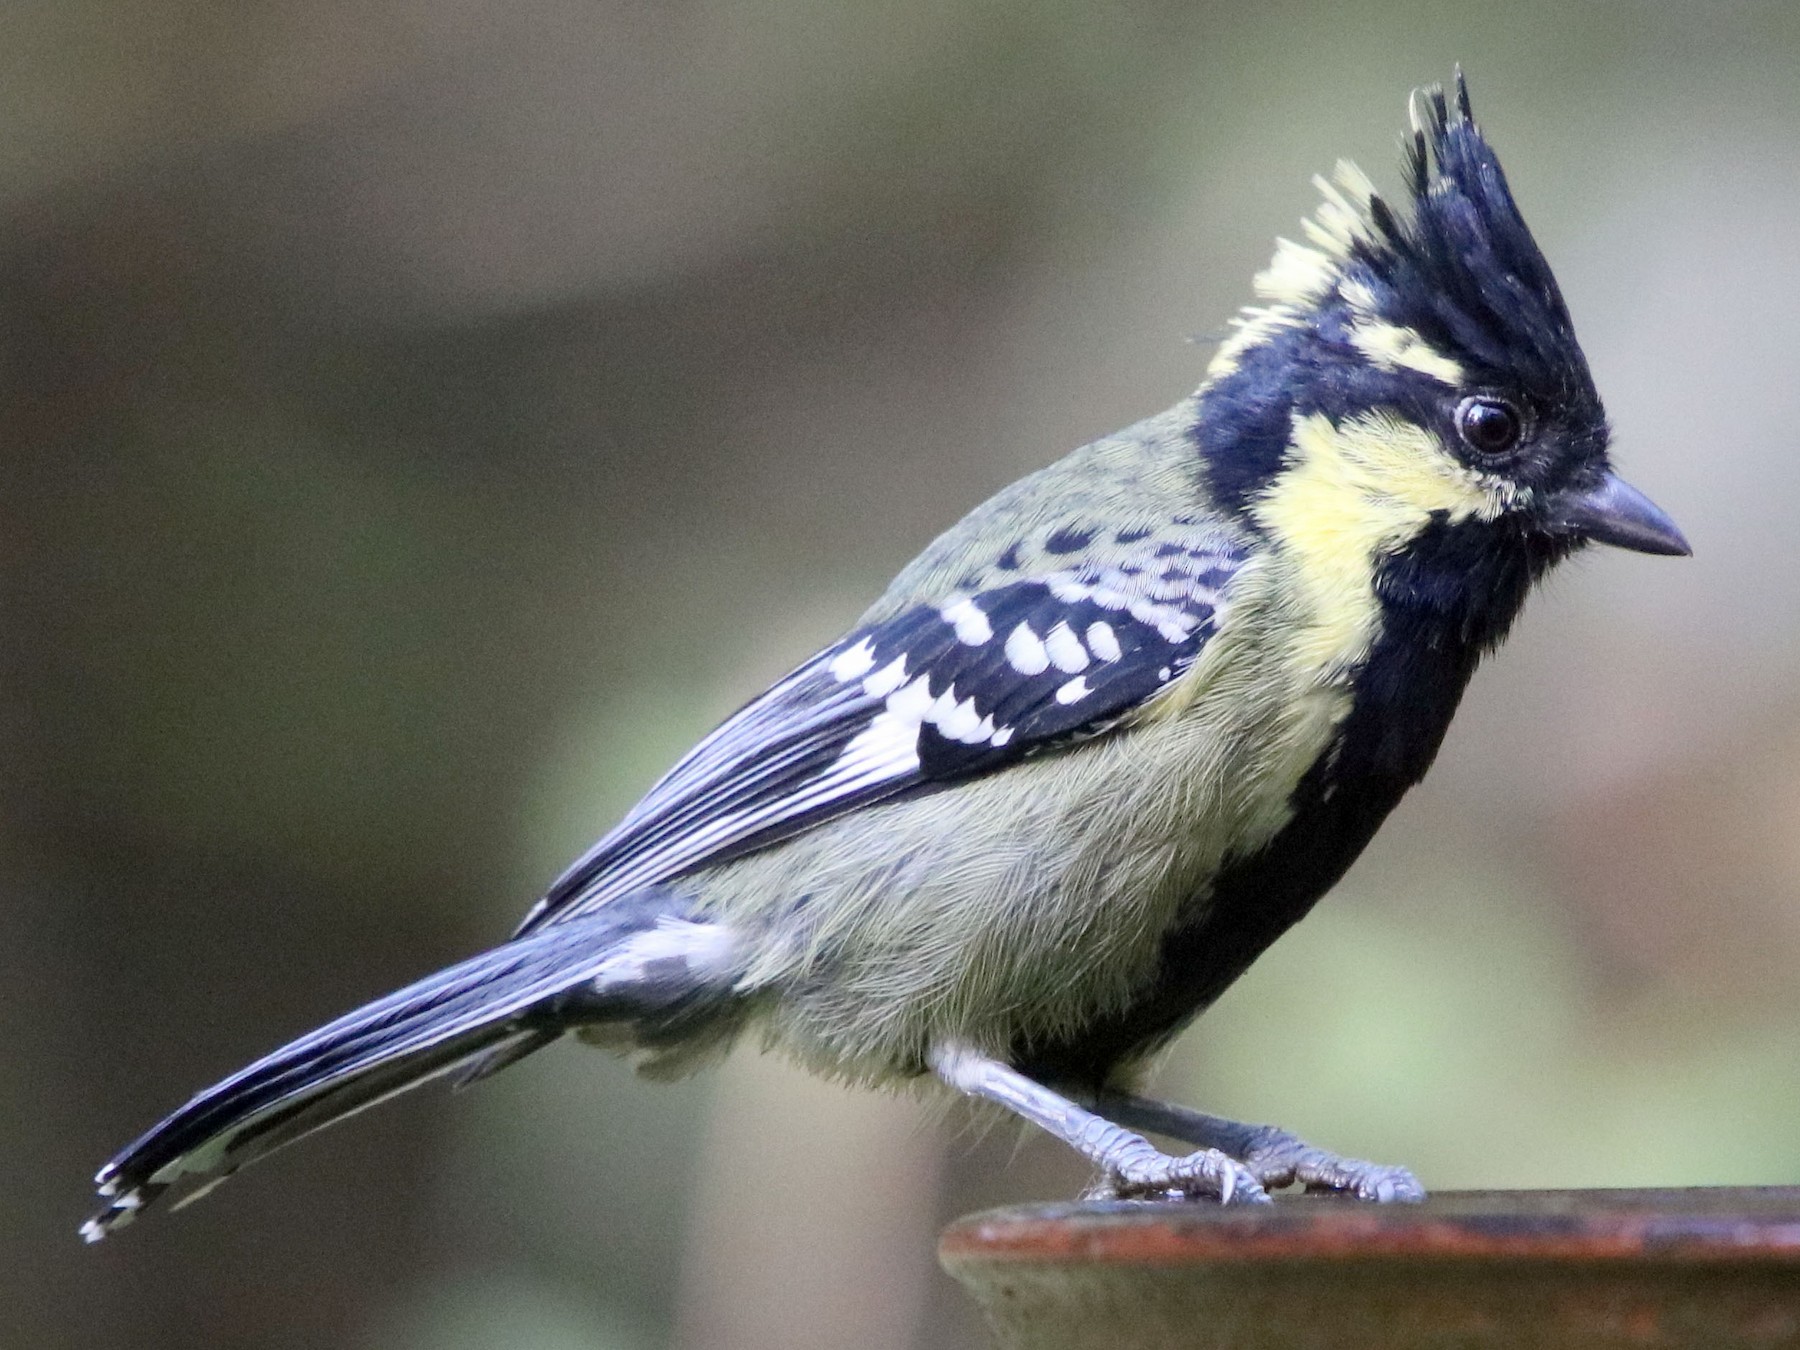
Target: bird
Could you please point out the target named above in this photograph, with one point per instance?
(1091, 752)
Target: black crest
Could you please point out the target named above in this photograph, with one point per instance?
(1461, 268)
(1448, 281)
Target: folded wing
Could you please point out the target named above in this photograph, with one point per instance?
(936, 693)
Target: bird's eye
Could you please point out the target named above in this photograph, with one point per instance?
(1489, 426)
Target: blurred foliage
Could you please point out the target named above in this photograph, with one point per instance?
(423, 420)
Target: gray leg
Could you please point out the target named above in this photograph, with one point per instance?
(1275, 1157)
(1132, 1165)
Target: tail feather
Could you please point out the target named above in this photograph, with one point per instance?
(485, 1012)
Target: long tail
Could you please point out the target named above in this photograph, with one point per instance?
(626, 964)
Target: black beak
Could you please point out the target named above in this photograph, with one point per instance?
(1615, 513)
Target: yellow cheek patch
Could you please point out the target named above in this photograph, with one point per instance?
(1349, 494)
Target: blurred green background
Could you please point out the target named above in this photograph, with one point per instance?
(422, 420)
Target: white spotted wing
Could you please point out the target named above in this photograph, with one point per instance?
(936, 693)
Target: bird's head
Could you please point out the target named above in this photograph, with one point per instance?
(1415, 369)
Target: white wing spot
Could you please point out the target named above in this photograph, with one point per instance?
(1000, 737)
(912, 702)
(1025, 650)
(703, 947)
(1075, 690)
(1066, 651)
(1171, 623)
(888, 746)
(853, 662)
(971, 625)
(1104, 642)
(941, 707)
(886, 680)
(961, 723)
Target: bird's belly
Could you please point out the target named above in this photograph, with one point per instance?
(1407, 693)
(1249, 903)
(1021, 907)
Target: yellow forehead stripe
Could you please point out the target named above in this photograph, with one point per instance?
(1392, 347)
(1350, 493)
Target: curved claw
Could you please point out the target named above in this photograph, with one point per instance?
(1206, 1174)
(1272, 1155)
(1286, 1161)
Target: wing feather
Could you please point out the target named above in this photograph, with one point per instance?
(936, 693)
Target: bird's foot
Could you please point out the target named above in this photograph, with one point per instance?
(1207, 1174)
(1277, 1158)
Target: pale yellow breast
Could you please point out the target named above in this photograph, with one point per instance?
(1352, 493)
